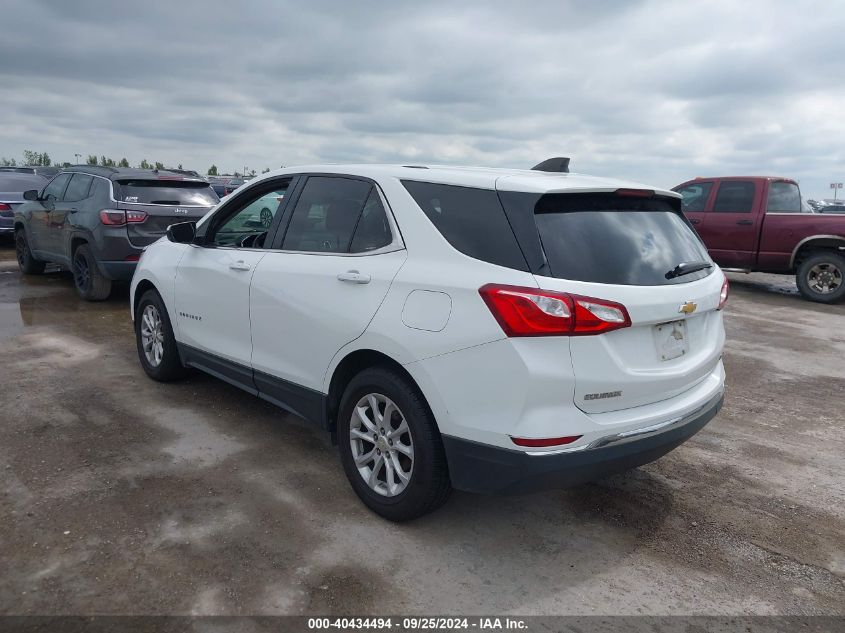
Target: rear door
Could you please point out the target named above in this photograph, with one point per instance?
(160, 202)
(77, 191)
(319, 291)
(732, 229)
(620, 249)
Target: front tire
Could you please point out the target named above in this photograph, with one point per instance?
(821, 277)
(154, 339)
(26, 260)
(390, 446)
(89, 281)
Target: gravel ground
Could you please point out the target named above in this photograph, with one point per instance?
(119, 495)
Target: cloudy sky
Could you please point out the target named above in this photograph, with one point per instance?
(649, 90)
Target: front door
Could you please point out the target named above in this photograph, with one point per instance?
(40, 230)
(336, 262)
(212, 284)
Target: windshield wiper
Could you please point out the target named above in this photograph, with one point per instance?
(685, 268)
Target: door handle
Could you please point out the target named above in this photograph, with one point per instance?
(73, 210)
(694, 221)
(745, 222)
(353, 276)
(240, 265)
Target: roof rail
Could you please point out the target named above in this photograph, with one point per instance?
(93, 168)
(559, 164)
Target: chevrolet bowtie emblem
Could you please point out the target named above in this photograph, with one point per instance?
(688, 307)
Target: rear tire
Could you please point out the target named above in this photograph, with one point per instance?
(154, 339)
(89, 281)
(407, 438)
(821, 277)
(26, 260)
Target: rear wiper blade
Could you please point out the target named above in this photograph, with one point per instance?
(685, 268)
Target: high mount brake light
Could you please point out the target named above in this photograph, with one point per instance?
(635, 193)
(534, 312)
(723, 295)
(118, 217)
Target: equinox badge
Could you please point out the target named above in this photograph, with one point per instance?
(688, 307)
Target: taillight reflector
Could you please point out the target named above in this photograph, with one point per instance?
(723, 295)
(545, 441)
(5, 207)
(118, 217)
(534, 312)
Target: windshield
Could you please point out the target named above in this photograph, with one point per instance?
(170, 192)
(610, 239)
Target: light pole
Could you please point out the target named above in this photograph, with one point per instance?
(78, 156)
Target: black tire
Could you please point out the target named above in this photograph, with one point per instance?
(89, 281)
(170, 366)
(26, 260)
(429, 486)
(822, 269)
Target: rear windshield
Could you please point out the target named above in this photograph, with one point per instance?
(610, 239)
(172, 192)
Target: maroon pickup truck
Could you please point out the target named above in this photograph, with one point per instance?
(759, 224)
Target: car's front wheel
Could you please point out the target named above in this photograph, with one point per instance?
(26, 260)
(821, 277)
(89, 281)
(155, 341)
(390, 446)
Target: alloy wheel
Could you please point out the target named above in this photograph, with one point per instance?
(81, 272)
(152, 335)
(382, 446)
(824, 278)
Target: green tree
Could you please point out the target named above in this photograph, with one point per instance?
(265, 170)
(33, 158)
(159, 165)
(123, 162)
(45, 159)
(212, 171)
(145, 164)
(8, 162)
(180, 166)
(92, 159)
(106, 162)
(65, 164)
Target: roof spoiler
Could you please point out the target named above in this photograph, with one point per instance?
(559, 164)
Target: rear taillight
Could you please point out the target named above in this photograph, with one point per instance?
(723, 295)
(534, 312)
(5, 210)
(117, 217)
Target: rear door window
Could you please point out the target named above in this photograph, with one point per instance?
(373, 230)
(167, 192)
(734, 196)
(326, 215)
(784, 197)
(472, 220)
(694, 196)
(78, 188)
(611, 239)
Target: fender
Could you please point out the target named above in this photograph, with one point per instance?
(838, 239)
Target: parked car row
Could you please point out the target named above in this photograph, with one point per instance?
(479, 329)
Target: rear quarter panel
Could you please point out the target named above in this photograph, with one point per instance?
(784, 233)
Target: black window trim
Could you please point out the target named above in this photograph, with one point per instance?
(50, 182)
(87, 192)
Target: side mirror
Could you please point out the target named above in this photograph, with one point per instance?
(182, 232)
(31, 194)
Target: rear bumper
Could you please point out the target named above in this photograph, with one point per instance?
(476, 467)
(118, 271)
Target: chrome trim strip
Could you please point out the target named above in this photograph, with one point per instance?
(638, 434)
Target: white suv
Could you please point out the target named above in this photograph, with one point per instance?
(484, 329)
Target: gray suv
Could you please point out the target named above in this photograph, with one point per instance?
(96, 221)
